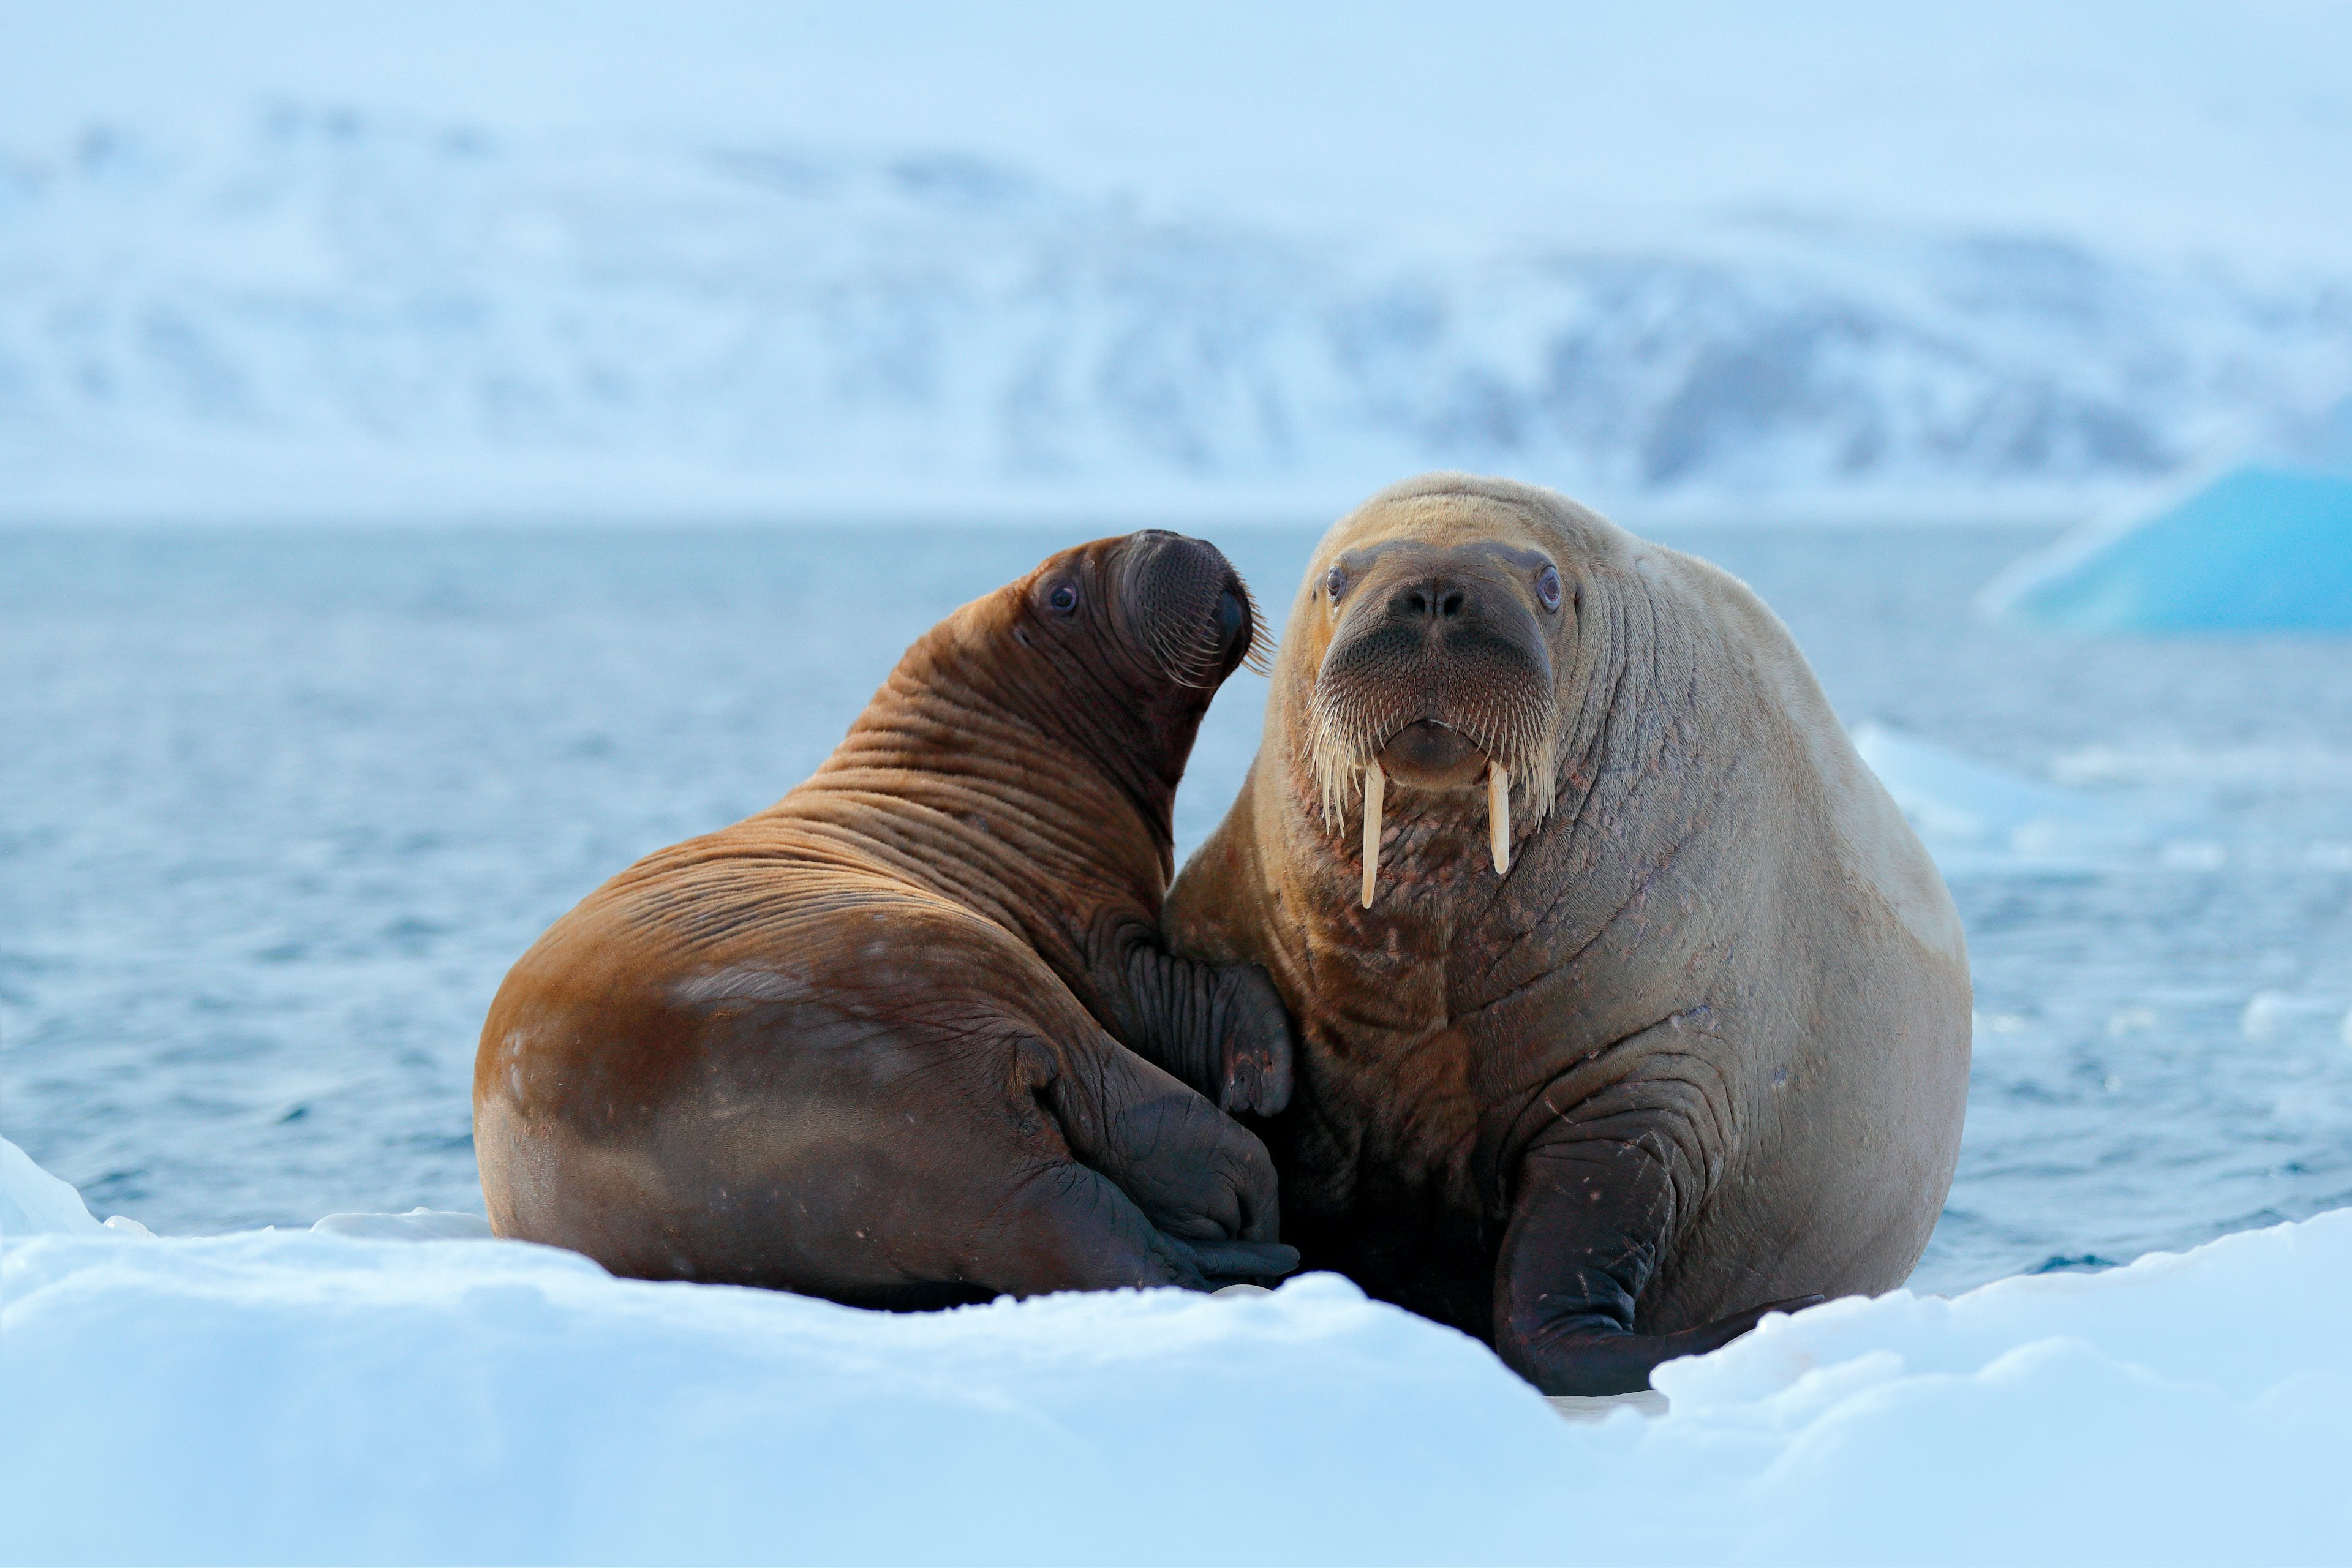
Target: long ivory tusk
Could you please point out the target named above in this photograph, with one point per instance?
(1375, 786)
(1499, 816)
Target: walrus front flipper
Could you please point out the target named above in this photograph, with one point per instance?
(1591, 1218)
(1220, 1027)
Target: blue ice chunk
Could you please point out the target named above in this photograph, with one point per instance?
(2260, 547)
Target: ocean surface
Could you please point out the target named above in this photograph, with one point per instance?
(278, 809)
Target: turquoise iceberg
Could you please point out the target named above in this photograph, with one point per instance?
(2262, 548)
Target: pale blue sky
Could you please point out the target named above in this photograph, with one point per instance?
(2213, 127)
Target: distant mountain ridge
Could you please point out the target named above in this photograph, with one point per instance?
(324, 294)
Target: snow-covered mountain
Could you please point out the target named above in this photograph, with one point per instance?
(327, 312)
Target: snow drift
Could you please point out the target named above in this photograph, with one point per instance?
(334, 313)
(2262, 548)
(269, 1397)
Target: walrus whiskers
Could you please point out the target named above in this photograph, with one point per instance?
(1520, 735)
(1499, 816)
(1375, 786)
(1258, 657)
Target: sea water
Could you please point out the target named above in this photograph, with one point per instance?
(279, 807)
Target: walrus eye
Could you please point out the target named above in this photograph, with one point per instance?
(1334, 582)
(1547, 587)
(1064, 598)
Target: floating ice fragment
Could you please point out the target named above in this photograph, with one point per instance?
(2272, 1013)
(1957, 802)
(2194, 855)
(2176, 765)
(2308, 1105)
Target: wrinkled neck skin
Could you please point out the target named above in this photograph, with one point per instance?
(1031, 780)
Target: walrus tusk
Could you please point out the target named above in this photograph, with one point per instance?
(1499, 816)
(1375, 785)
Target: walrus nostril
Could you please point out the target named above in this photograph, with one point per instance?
(1429, 601)
(1233, 623)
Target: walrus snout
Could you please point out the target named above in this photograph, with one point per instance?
(1184, 603)
(1438, 669)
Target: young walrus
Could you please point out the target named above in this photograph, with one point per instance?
(1628, 1006)
(861, 1045)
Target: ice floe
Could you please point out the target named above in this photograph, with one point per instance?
(2262, 547)
(315, 1396)
(1971, 814)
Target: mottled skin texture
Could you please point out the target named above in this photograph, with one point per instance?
(1702, 1050)
(862, 1044)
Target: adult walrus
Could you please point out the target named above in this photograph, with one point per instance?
(860, 1045)
(1640, 1011)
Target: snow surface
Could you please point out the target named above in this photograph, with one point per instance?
(2263, 547)
(272, 1396)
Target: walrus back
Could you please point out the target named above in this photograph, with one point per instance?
(722, 1072)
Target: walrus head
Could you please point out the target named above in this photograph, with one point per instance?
(1444, 616)
(1154, 608)
(1116, 647)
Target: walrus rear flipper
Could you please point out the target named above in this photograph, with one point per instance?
(1591, 1219)
(1070, 1229)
